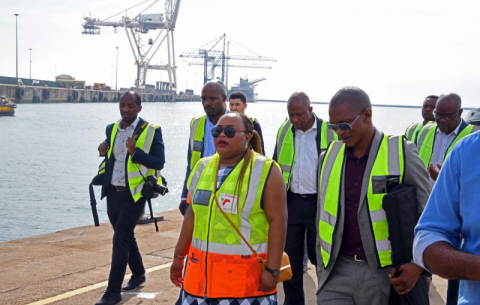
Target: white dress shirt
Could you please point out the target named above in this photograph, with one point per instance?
(305, 166)
(440, 147)
(120, 153)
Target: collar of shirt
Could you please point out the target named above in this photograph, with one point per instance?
(455, 132)
(350, 155)
(134, 124)
(314, 127)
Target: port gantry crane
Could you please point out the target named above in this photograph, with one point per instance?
(214, 58)
(142, 24)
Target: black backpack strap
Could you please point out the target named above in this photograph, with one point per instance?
(139, 131)
(93, 204)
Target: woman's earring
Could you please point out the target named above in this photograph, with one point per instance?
(246, 145)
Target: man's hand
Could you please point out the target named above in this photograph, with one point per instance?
(434, 171)
(267, 282)
(409, 274)
(176, 270)
(103, 148)
(130, 145)
(182, 206)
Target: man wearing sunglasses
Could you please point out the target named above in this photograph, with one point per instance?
(428, 108)
(200, 144)
(300, 140)
(353, 246)
(435, 141)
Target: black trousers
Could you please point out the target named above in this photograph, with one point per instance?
(123, 214)
(452, 292)
(301, 220)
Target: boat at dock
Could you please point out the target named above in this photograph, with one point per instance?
(7, 107)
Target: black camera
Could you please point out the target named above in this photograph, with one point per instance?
(151, 188)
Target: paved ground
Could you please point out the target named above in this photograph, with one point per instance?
(71, 267)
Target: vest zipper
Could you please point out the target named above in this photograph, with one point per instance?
(206, 254)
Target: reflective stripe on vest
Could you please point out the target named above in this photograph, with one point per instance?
(426, 141)
(286, 147)
(215, 240)
(197, 134)
(389, 161)
(411, 130)
(134, 177)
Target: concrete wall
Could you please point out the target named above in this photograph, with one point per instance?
(60, 95)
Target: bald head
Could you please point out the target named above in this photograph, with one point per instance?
(356, 99)
(217, 86)
(450, 98)
(299, 97)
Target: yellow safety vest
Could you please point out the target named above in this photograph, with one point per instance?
(220, 257)
(286, 146)
(136, 173)
(389, 162)
(412, 130)
(426, 141)
(197, 135)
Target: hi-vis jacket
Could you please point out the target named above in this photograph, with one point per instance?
(220, 264)
(426, 140)
(389, 162)
(284, 152)
(412, 131)
(147, 160)
(385, 159)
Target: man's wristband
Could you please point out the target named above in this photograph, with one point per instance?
(178, 256)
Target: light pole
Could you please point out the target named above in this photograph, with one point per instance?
(111, 76)
(16, 37)
(30, 63)
(186, 85)
(195, 84)
(116, 74)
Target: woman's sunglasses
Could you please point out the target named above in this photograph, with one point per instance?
(228, 131)
(344, 126)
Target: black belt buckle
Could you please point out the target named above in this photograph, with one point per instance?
(120, 188)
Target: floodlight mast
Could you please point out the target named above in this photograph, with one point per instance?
(141, 24)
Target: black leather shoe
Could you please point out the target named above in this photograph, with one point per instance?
(134, 282)
(110, 299)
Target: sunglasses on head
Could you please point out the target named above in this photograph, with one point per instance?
(344, 126)
(228, 131)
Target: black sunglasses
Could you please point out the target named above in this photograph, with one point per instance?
(344, 126)
(228, 131)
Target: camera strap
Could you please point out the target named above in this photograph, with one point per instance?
(139, 131)
(151, 213)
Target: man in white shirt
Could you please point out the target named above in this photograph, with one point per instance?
(301, 139)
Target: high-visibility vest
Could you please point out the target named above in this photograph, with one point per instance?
(220, 264)
(426, 141)
(136, 173)
(286, 146)
(197, 134)
(389, 161)
(412, 130)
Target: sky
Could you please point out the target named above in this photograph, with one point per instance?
(397, 51)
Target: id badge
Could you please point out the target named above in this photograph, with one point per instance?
(202, 197)
(384, 184)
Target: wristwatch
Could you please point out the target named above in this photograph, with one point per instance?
(275, 272)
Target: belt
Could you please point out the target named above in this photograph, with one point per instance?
(119, 188)
(306, 195)
(354, 258)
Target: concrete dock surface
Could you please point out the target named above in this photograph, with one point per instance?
(72, 266)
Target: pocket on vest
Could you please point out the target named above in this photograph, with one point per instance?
(229, 280)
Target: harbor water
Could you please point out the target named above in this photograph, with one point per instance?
(48, 156)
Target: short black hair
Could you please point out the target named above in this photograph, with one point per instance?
(238, 94)
(138, 98)
(432, 96)
(453, 97)
(302, 96)
(356, 98)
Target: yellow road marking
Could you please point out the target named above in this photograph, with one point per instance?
(88, 288)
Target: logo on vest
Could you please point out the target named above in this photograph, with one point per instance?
(228, 203)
